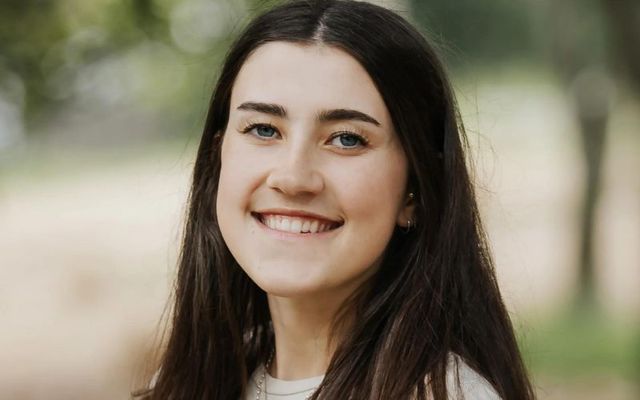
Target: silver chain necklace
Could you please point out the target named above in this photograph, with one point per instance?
(263, 379)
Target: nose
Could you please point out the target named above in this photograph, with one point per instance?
(295, 173)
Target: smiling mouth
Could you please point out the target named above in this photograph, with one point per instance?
(290, 224)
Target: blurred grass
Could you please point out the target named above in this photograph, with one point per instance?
(583, 344)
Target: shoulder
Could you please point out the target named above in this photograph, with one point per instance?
(465, 383)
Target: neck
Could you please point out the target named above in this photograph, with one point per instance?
(302, 332)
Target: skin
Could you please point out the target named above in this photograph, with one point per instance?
(296, 162)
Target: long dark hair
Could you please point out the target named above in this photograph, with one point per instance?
(435, 292)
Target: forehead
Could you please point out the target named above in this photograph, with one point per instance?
(307, 78)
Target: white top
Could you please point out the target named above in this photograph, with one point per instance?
(472, 385)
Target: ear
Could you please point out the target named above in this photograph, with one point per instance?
(406, 212)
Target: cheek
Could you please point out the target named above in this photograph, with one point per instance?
(233, 185)
(239, 173)
(374, 189)
(371, 196)
(227, 190)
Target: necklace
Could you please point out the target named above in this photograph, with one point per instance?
(263, 380)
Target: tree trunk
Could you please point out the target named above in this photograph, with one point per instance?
(590, 91)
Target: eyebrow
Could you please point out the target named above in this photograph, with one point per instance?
(339, 114)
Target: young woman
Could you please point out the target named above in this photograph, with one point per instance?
(333, 248)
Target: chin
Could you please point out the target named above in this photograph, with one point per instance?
(285, 284)
(288, 291)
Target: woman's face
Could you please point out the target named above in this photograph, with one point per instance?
(313, 177)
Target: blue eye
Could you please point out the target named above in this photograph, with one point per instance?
(348, 140)
(261, 131)
(265, 131)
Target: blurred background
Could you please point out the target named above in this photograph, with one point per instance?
(101, 108)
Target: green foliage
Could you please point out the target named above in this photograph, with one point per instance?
(39, 40)
(29, 30)
(483, 31)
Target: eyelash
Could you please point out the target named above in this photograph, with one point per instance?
(363, 140)
(252, 126)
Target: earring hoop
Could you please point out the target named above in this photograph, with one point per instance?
(410, 225)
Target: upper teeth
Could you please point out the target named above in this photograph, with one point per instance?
(295, 224)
